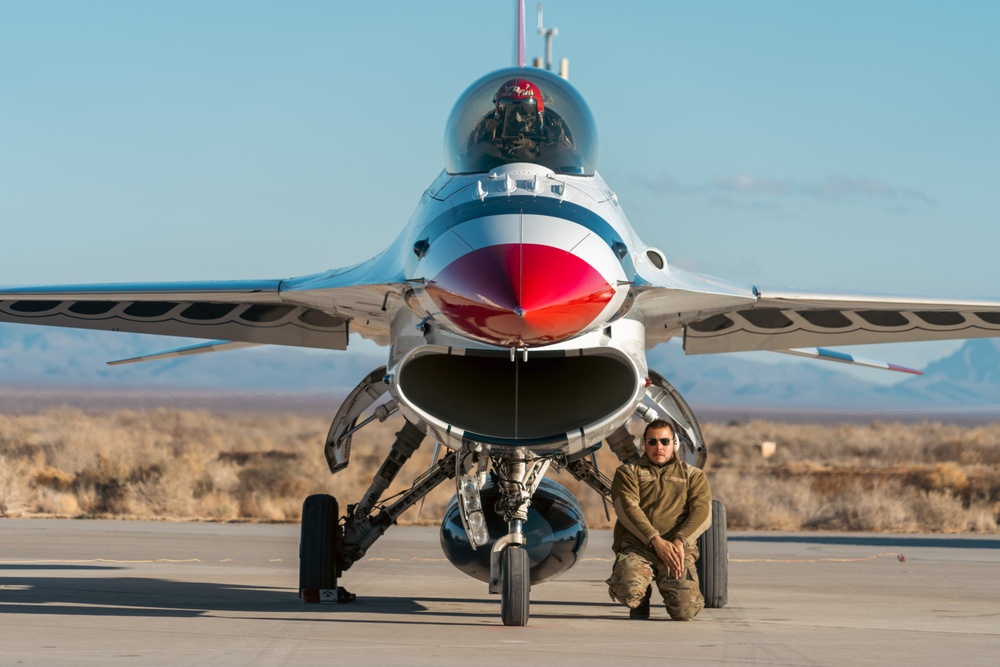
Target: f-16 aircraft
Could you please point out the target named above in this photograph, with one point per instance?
(517, 307)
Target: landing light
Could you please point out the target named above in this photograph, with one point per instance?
(472, 511)
(470, 493)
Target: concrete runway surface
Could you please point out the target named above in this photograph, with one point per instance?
(146, 593)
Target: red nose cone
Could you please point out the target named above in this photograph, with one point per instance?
(520, 294)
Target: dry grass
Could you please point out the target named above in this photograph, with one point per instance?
(189, 464)
(926, 477)
(180, 464)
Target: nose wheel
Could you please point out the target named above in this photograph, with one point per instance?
(514, 592)
(510, 568)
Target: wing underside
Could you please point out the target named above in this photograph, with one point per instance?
(784, 320)
(254, 312)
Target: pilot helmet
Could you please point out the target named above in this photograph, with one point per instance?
(520, 108)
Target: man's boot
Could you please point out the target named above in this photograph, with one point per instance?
(642, 611)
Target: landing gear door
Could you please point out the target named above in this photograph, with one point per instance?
(670, 405)
(338, 440)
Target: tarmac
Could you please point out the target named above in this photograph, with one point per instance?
(91, 592)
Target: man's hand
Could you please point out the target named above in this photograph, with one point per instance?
(671, 553)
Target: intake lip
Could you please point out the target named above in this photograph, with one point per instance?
(540, 403)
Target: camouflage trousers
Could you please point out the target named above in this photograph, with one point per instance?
(636, 569)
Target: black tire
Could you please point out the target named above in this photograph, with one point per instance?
(319, 548)
(713, 561)
(514, 595)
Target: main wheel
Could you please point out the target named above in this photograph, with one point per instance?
(514, 595)
(319, 547)
(713, 561)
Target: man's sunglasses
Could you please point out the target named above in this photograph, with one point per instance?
(651, 442)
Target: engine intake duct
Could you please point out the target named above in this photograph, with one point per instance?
(499, 401)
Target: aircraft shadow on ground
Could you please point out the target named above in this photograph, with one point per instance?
(950, 542)
(424, 607)
(163, 598)
(54, 566)
(130, 596)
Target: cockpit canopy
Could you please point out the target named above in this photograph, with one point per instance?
(521, 115)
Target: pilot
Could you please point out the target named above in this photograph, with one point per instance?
(663, 505)
(519, 128)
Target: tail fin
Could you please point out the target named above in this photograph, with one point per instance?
(520, 57)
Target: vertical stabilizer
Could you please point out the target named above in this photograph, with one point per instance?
(520, 58)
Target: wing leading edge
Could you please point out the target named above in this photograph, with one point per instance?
(318, 310)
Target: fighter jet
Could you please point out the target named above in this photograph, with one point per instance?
(516, 308)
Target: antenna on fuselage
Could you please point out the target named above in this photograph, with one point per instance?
(548, 34)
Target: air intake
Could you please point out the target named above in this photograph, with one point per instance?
(538, 401)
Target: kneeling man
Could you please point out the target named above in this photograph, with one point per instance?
(663, 505)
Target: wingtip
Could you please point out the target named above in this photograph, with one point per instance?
(904, 369)
(826, 354)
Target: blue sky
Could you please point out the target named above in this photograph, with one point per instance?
(823, 145)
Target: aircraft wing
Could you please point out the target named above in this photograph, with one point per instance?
(314, 311)
(783, 319)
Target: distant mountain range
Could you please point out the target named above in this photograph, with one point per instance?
(40, 357)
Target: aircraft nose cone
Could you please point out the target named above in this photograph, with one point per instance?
(520, 294)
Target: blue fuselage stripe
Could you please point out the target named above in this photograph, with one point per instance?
(526, 205)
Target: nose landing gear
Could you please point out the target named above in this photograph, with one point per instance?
(510, 568)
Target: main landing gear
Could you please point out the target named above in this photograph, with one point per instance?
(328, 547)
(320, 545)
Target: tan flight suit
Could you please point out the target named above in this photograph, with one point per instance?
(672, 501)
